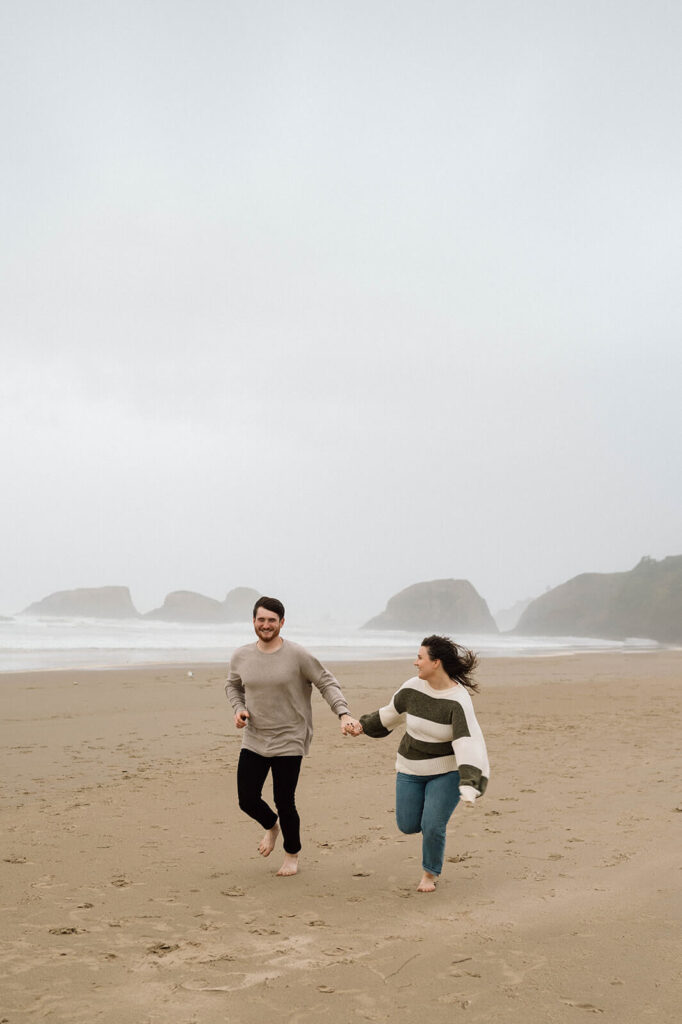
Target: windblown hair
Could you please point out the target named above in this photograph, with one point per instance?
(458, 662)
(271, 604)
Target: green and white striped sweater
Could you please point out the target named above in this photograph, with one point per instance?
(442, 734)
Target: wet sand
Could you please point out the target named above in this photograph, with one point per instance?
(132, 892)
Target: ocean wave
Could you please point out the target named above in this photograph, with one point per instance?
(40, 643)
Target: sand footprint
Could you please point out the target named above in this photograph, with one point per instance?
(590, 1007)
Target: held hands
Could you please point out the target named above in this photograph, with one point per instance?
(241, 718)
(350, 726)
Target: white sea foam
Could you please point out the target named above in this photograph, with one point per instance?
(40, 643)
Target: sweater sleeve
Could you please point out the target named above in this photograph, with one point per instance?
(470, 753)
(320, 677)
(382, 722)
(234, 689)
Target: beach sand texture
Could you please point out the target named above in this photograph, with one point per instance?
(132, 892)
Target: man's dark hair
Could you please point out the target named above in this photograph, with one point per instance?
(458, 662)
(271, 604)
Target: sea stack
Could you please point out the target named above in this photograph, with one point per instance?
(238, 605)
(446, 606)
(188, 606)
(88, 603)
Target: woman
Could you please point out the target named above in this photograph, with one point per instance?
(442, 757)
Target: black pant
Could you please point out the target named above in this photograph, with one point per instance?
(252, 771)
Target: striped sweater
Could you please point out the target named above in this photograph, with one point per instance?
(442, 734)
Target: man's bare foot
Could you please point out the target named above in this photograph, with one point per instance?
(267, 843)
(290, 866)
(428, 882)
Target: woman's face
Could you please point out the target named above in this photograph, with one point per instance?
(425, 667)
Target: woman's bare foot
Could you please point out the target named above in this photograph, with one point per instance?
(267, 843)
(290, 866)
(428, 882)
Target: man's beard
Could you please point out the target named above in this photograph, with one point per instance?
(269, 634)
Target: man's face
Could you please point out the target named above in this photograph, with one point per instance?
(267, 624)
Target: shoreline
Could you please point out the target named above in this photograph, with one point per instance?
(33, 645)
(353, 658)
(353, 665)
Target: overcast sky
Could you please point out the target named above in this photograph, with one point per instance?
(327, 298)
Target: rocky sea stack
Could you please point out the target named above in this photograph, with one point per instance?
(86, 602)
(443, 606)
(644, 602)
(116, 603)
(188, 606)
(239, 604)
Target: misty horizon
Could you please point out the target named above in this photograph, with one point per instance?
(497, 613)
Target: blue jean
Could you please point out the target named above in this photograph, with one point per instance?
(424, 803)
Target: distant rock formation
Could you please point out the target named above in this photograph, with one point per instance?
(644, 602)
(187, 606)
(238, 604)
(445, 606)
(116, 603)
(87, 602)
(507, 618)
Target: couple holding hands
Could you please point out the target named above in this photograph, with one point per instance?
(441, 760)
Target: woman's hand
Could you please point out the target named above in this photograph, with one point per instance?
(241, 718)
(468, 796)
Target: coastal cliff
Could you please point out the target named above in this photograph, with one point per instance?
(644, 602)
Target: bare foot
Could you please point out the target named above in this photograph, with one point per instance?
(290, 866)
(267, 843)
(428, 882)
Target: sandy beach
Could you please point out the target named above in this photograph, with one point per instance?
(132, 892)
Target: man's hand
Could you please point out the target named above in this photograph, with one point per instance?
(241, 718)
(350, 726)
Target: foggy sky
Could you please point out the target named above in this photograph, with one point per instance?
(326, 298)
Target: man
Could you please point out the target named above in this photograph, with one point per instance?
(269, 686)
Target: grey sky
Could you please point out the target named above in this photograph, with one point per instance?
(328, 298)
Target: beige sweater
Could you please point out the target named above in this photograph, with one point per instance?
(276, 689)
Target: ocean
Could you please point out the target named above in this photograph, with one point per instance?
(28, 644)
